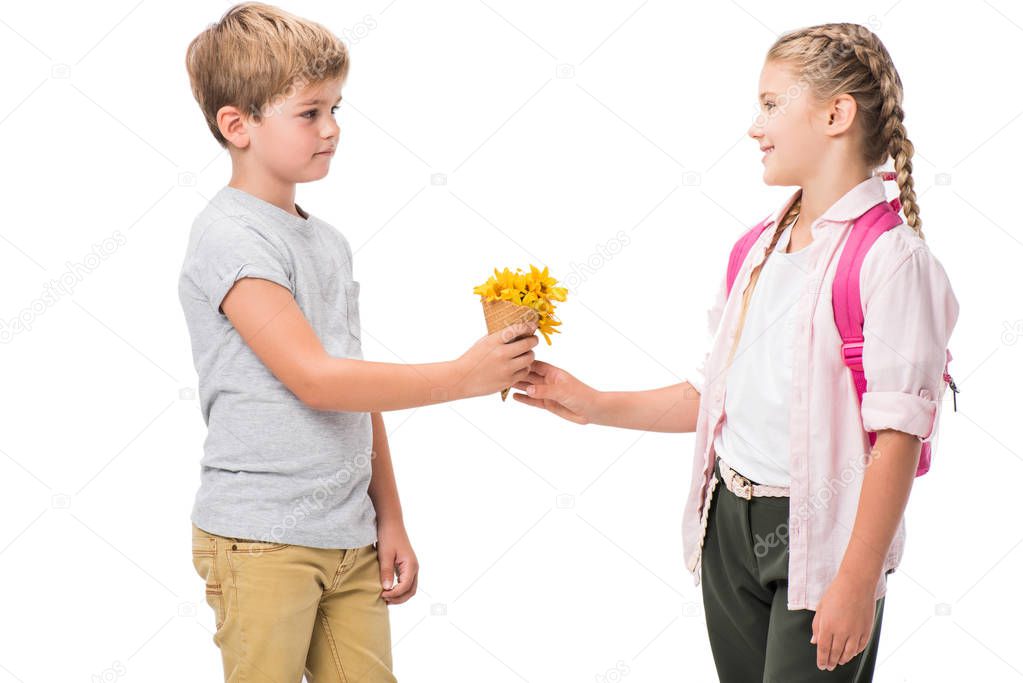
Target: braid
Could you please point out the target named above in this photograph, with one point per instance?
(747, 295)
(901, 150)
(849, 58)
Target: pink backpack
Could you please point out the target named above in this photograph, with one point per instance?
(845, 295)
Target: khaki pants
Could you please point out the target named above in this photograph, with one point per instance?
(287, 610)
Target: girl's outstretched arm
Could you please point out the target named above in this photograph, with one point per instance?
(668, 409)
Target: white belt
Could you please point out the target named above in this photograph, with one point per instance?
(744, 488)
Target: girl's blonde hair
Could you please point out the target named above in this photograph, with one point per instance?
(835, 59)
(256, 57)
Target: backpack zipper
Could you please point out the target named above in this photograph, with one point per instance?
(951, 385)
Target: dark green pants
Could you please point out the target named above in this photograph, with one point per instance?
(744, 574)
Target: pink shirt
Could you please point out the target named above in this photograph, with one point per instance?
(909, 313)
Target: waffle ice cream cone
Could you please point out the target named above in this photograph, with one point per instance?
(501, 314)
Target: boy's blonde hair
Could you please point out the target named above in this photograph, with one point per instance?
(256, 57)
(835, 59)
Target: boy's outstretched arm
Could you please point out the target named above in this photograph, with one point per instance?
(399, 567)
(270, 321)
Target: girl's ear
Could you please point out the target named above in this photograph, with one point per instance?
(840, 114)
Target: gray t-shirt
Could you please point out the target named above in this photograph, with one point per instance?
(274, 469)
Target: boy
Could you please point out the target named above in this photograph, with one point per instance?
(297, 528)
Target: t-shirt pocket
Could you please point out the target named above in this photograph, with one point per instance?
(352, 304)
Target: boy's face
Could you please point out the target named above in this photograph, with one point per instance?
(788, 127)
(295, 139)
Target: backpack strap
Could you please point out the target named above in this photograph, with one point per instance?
(847, 302)
(845, 295)
(740, 249)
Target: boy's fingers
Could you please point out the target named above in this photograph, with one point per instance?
(517, 348)
(523, 361)
(399, 589)
(408, 577)
(516, 330)
(402, 588)
(404, 597)
(386, 578)
(525, 343)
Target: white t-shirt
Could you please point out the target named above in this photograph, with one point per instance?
(754, 438)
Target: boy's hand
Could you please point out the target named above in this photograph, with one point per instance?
(497, 361)
(843, 622)
(552, 388)
(399, 567)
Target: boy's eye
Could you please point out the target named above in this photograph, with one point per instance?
(311, 114)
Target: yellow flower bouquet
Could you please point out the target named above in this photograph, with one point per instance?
(510, 298)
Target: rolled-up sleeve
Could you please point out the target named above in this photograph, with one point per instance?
(230, 250)
(908, 320)
(696, 373)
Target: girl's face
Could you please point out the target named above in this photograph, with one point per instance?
(790, 128)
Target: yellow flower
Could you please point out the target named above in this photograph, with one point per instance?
(535, 289)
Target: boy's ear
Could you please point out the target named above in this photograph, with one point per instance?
(840, 114)
(233, 126)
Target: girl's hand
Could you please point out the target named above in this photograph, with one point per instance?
(552, 388)
(844, 621)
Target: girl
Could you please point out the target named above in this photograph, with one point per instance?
(795, 548)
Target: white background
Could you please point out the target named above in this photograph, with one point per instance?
(553, 127)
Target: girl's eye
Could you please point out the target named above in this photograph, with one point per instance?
(768, 105)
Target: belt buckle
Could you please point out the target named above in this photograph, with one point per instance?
(746, 486)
